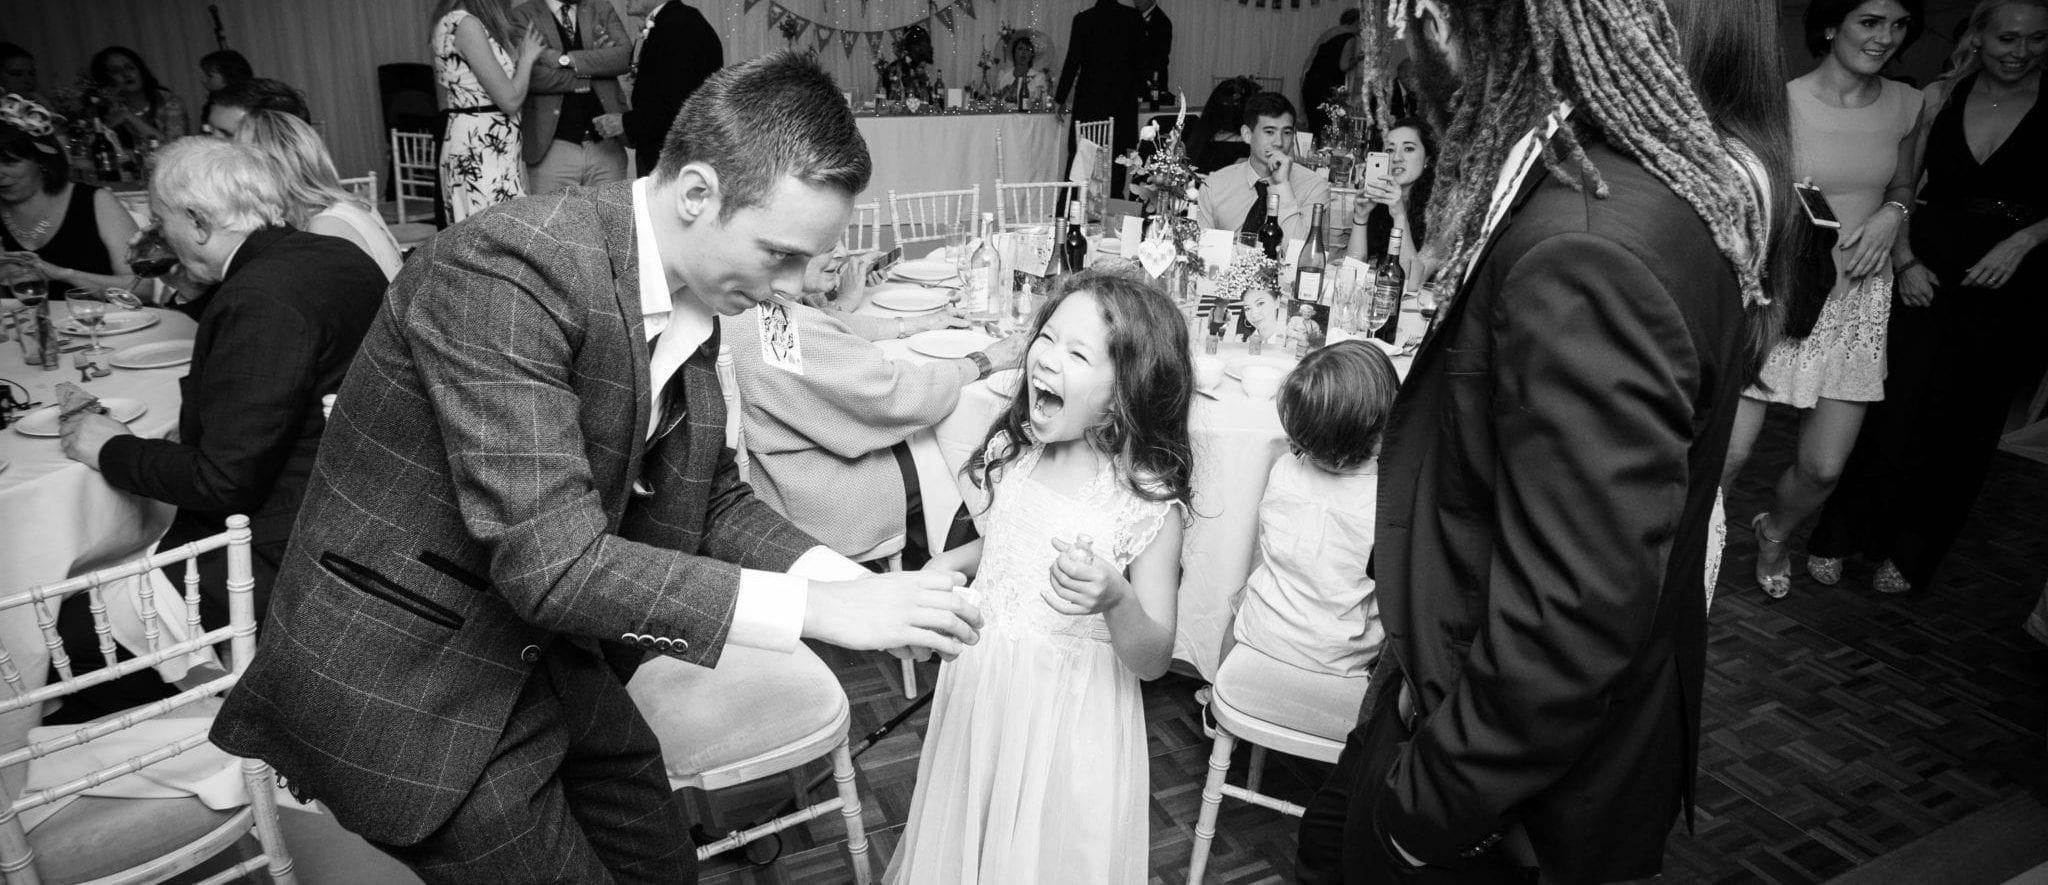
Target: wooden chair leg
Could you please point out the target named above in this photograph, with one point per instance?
(269, 834)
(1251, 778)
(1212, 797)
(849, 810)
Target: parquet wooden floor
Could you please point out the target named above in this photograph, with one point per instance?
(1840, 725)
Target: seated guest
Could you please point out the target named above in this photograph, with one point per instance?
(18, 73)
(314, 199)
(823, 438)
(1212, 141)
(238, 100)
(217, 71)
(1234, 197)
(1309, 601)
(275, 336)
(138, 107)
(69, 234)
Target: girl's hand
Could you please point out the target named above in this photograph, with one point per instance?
(1916, 286)
(1871, 244)
(531, 46)
(1998, 265)
(1081, 583)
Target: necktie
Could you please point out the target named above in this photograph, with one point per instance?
(569, 21)
(1256, 218)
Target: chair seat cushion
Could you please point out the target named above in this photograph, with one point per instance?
(95, 836)
(754, 701)
(1321, 704)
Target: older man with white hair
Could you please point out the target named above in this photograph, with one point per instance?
(276, 334)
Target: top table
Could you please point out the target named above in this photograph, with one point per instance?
(952, 151)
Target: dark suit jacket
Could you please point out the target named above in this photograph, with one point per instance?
(677, 55)
(1545, 490)
(597, 69)
(473, 502)
(276, 335)
(1108, 58)
(1158, 42)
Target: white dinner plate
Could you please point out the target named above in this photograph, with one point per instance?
(154, 355)
(950, 344)
(909, 297)
(43, 421)
(1005, 382)
(925, 270)
(1235, 367)
(117, 322)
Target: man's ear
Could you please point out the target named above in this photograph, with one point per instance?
(203, 230)
(698, 192)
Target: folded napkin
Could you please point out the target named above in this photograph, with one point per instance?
(1083, 169)
(206, 772)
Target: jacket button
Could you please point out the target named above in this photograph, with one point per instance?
(530, 653)
(646, 641)
(662, 644)
(680, 646)
(629, 638)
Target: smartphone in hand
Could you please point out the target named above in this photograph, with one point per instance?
(1818, 212)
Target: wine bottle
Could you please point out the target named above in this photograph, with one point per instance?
(1387, 288)
(106, 163)
(1308, 269)
(978, 298)
(1075, 249)
(1270, 235)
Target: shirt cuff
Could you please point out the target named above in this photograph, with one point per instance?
(769, 613)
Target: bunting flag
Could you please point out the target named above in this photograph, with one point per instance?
(945, 17)
(802, 23)
(874, 42)
(775, 13)
(824, 36)
(966, 6)
(748, 5)
(846, 41)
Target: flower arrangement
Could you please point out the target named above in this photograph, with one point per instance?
(1338, 106)
(1167, 171)
(1249, 269)
(81, 100)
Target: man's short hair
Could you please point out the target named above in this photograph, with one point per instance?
(226, 184)
(1824, 14)
(262, 94)
(1266, 104)
(760, 120)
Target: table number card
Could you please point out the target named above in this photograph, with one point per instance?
(1130, 231)
(1217, 248)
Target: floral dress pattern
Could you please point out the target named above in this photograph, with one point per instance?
(480, 160)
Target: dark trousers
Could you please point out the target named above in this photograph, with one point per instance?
(1954, 369)
(575, 792)
(1338, 841)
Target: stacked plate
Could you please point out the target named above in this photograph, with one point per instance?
(155, 355)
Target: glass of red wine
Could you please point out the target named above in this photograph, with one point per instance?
(151, 256)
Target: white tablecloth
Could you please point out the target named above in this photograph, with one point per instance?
(61, 517)
(951, 151)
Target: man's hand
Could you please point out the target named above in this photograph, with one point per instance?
(1282, 164)
(1916, 286)
(610, 125)
(85, 434)
(894, 611)
(1007, 353)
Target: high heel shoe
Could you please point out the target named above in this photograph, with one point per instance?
(1779, 584)
(1825, 570)
(1889, 580)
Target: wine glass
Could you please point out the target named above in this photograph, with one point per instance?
(31, 288)
(150, 255)
(88, 310)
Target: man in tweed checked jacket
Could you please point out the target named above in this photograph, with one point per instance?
(524, 489)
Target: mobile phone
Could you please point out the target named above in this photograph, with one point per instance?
(1376, 165)
(1816, 205)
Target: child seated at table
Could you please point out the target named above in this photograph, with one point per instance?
(1308, 609)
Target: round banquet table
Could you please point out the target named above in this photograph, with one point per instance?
(1235, 440)
(951, 151)
(62, 518)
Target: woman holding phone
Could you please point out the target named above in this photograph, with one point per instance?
(1853, 138)
(1394, 199)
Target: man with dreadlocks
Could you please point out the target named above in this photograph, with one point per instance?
(1550, 466)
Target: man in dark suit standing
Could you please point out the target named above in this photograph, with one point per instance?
(1549, 469)
(285, 316)
(1104, 72)
(525, 490)
(677, 50)
(570, 129)
(1158, 50)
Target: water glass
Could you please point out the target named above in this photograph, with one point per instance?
(89, 310)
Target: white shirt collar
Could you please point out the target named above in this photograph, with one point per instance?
(555, 9)
(1520, 162)
(682, 320)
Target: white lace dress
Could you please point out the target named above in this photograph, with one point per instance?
(1034, 766)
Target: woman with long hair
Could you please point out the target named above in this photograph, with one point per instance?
(1398, 200)
(482, 88)
(138, 107)
(1216, 142)
(1965, 333)
(1852, 137)
(314, 198)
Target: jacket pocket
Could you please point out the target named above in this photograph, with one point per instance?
(368, 580)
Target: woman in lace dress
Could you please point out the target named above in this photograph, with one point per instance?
(1034, 766)
(481, 91)
(1852, 136)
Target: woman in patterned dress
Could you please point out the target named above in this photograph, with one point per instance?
(482, 89)
(1852, 136)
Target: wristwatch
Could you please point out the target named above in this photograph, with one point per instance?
(566, 61)
(982, 367)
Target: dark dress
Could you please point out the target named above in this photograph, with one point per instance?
(77, 244)
(1956, 365)
(1325, 74)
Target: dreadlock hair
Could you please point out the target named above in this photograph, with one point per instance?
(1618, 62)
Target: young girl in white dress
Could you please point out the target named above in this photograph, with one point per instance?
(1034, 765)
